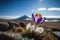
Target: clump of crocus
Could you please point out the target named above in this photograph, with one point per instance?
(38, 18)
(31, 28)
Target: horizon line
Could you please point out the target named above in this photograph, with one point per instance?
(14, 17)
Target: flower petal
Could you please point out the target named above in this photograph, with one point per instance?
(33, 18)
(43, 19)
(39, 30)
(39, 20)
(36, 19)
(33, 27)
(28, 26)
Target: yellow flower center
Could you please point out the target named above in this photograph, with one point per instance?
(38, 15)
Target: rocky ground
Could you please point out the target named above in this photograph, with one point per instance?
(4, 26)
(12, 36)
(19, 36)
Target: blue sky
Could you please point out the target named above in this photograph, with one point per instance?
(25, 7)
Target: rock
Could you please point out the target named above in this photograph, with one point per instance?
(12, 25)
(14, 36)
(5, 37)
(54, 29)
(57, 33)
(3, 26)
(22, 24)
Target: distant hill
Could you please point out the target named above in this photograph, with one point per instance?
(24, 17)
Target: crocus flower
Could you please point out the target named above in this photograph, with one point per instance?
(39, 30)
(32, 28)
(28, 26)
(38, 18)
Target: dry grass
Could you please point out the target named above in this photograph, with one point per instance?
(46, 24)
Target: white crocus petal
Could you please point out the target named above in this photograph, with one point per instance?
(28, 26)
(39, 30)
(32, 27)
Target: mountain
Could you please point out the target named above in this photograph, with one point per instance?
(24, 17)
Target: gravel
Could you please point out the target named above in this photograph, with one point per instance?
(16, 36)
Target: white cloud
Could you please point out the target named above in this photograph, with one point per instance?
(8, 17)
(54, 9)
(48, 9)
(52, 16)
(41, 9)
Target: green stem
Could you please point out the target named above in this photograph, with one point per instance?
(36, 25)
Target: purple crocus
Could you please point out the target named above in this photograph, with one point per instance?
(38, 19)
